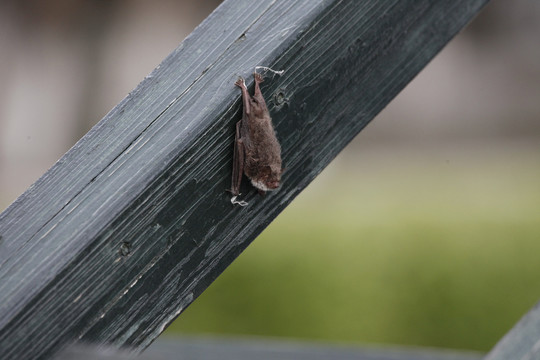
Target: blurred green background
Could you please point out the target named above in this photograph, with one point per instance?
(403, 250)
(425, 231)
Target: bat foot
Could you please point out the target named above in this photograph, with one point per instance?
(238, 202)
(240, 82)
(258, 77)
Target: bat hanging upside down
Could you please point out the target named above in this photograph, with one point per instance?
(256, 149)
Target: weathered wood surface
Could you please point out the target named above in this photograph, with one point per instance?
(133, 223)
(522, 342)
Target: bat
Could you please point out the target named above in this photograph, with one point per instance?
(257, 152)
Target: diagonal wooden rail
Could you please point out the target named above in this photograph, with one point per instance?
(522, 341)
(133, 223)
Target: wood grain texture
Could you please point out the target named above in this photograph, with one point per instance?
(133, 223)
(522, 341)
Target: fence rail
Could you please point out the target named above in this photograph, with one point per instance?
(113, 242)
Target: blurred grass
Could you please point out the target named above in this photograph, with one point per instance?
(418, 249)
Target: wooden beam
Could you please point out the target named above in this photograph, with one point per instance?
(133, 223)
(522, 341)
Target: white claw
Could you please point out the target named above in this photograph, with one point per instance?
(278, 72)
(236, 202)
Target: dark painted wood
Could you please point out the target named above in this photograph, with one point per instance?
(133, 223)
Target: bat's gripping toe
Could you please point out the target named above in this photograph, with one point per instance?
(238, 202)
(240, 82)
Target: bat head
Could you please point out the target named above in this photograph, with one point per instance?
(268, 178)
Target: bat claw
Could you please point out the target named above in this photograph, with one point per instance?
(238, 202)
(258, 77)
(240, 82)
